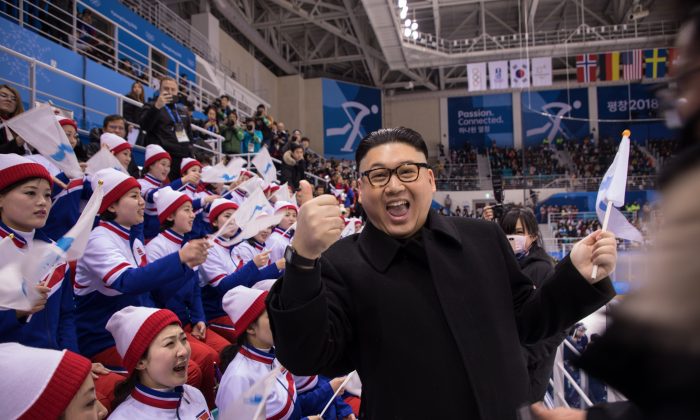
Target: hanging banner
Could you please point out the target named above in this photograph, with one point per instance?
(551, 114)
(350, 112)
(480, 121)
(476, 77)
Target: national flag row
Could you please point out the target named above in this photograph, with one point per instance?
(510, 74)
(626, 65)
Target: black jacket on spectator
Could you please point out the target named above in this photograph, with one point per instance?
(160, 130)
(131, 113)
(539, 266)
(292, 171)
(447, 308)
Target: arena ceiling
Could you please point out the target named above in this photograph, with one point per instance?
(363, 41)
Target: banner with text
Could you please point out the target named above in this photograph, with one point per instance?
(480, 121)
(350, 112)
(631, 106)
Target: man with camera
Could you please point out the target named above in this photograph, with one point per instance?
(252, 138)
(263, 124)
(168, 125)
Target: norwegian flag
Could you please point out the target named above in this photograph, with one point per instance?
(631, 65)
(586, 68)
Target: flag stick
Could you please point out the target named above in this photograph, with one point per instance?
(606, 219)
(345, 382)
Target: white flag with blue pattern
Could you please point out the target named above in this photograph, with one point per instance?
(39, 128)
(612, 192)
(263, 163)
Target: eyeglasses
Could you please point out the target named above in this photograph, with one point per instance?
(8, 97)
(406, 172)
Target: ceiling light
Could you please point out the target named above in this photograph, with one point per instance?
(414, 26)
(407, 23)
(407, 32)
(404, 12)
(415, 35)
(402, 3)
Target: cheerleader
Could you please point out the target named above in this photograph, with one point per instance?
(246, 250)
(220, 273)
(114, 271)
(156, 168)
(176, 217)
(120, 148)
(156, 355)
(282, 234)
(54, 384)
(191, 169)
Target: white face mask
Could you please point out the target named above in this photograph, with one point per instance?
(517, 242)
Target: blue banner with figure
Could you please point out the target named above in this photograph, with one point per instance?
(350, 112)
(480, 121)
(550, 114)
(633, 107)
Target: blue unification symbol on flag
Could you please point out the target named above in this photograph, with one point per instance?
(267, 168)
(228, 178)
(61, 152)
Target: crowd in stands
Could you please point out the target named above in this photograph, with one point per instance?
(153, 228)
(539, 160)
(592, 159)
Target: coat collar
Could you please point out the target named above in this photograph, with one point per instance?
(380, 249)
(167, 400)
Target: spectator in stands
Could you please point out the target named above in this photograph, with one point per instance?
(10, 106)
(224, 108)
(520, 226)
(277, 146)
(132, 112)
(168, 125)
(233, 134)
(293, 166)
(252, 138)
(211, 123)
(282, 132)
(126, 68)
(184, 86)
(263, 123)
(115, 124)
(448, 203)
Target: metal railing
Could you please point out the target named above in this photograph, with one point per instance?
(634, 183)
(554, 218)
(583, 33)
(66, 28)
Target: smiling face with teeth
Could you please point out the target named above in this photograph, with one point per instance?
(165, 362)
(399, 208)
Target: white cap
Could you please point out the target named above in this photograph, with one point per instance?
(115, 143)
(168, 201)
(154, 153)
(114, 185)
(284, 205)
(39, 383)
(134, 328)
(219, 206)
(244, 305)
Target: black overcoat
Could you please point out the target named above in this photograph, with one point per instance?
(433, 330)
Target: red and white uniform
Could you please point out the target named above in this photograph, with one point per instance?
(278, 242)
(186, 403)
(248, 367)
(245, 252)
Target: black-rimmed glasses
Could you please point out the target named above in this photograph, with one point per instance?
(406, 172)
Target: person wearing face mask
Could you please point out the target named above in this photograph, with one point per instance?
(520, 226)
(156, 353)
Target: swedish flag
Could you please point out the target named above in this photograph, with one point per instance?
(655, 63)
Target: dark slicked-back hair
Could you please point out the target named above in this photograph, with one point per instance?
(390, 135)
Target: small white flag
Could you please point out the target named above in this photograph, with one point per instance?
(22, 274)
(520, 73)
(39, 128)
(283, 194)
(476, 76)
(102, 160)
(220, 173)
(612, 192)
(542, 71)
(255, 204)
(498, 74)
(263, 163)
(254, 183)
(251, 405)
